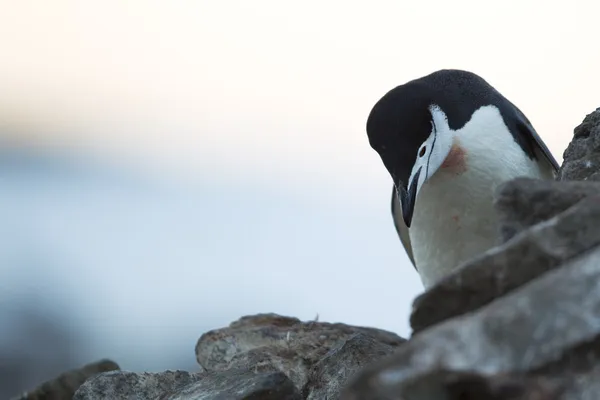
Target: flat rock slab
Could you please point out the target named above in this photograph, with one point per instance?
(240, 385)
(181, 385)
(502, 269)
(124, 385)
(550, 324)
(524, 202)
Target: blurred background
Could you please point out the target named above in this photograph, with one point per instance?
(169, 166)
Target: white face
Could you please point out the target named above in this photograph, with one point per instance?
(435, 148)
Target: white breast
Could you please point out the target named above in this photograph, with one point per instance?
(454, 219)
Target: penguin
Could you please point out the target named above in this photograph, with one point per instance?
(448, 140)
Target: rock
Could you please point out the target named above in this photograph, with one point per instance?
(270, 342)
(551, 325)
(328, 376)
(584, 385)
(66, 384)
(450, 385)
(240, 385)
(582, 157)
(181, 385)
(524, 202)
(502, 269)
(125, 385)
(260, 357)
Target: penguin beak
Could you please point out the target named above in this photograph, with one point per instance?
(407, 198)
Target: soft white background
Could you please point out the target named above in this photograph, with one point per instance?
(168, 166)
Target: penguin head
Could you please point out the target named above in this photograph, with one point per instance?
(439, 120)
(410, 131)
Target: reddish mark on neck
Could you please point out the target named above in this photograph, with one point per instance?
(456, 220)
(456, 159)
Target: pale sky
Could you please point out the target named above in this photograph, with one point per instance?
(271, 98)
(278, 86)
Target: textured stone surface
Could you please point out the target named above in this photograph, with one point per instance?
(583, 385)
(270, 342)
(504, 268)
(582, 157)
(537, 326)
(329, 375)
(66, 384)
(122, 385)
(181, 385)
(451, 385)
(240, 385)
(524, 202)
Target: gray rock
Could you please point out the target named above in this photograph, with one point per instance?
(240, 385)
(583, 385)
(125, 385)
(330, 374)
(65, 385)
(451, 385)
(181, 385)
(270, 342)
(504, 268)
(582, 157)
(537, 328)
(524, 202)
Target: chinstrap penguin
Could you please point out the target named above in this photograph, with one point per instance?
(448, 140)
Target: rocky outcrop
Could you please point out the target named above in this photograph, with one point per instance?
(266, 356)
(540, 327)
(520, 321)
(316, 356)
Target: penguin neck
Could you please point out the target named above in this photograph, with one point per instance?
(454, 219)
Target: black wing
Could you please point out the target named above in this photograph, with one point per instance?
(536, 142)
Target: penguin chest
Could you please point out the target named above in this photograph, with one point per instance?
(452, 223)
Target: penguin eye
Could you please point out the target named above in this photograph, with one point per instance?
(423, 150)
